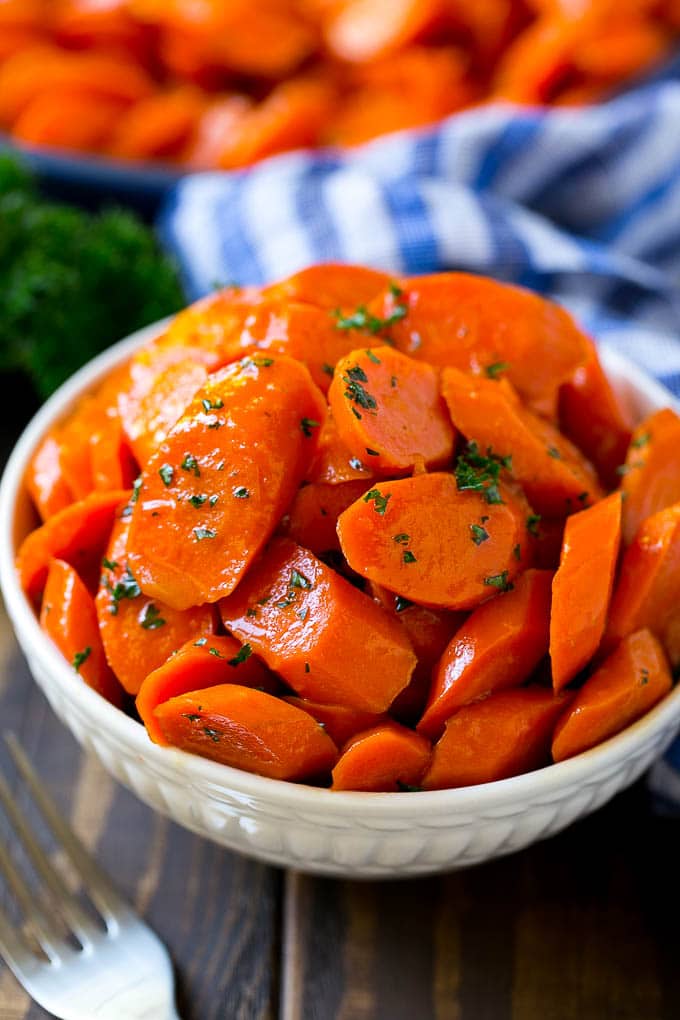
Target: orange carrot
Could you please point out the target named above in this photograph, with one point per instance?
(44, 479)
(248, 730)
(388, 409)
(651, 474)
(363, 30)
(582, 588)
(556, 477)
(503, 735)
(462, 321)
(201, 662)
(592, 416)
(327, 640)
(313, 516)
(648, 589)
(630, 682)
(69, 617)
(216, 488)
(78, 534)
(433, 543)
(159, 126)
(207, 328)
(387, 758)
(334, 464)
(222, 115)
(74, 438)
(498, 646)
(112, 462)
(68, 118)
(330, 285)
(340, 722)
(140, 633)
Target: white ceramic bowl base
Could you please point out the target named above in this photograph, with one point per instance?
(350, 834)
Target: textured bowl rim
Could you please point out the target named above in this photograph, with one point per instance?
(387, 806)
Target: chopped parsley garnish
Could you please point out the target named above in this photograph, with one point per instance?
(356, 464)
(371, 357)
(213, 734)
(379, 501)
(213, 500)
(355, 390)
(216, 652)
(408, 556)
(372, 453)
(151, 618)
(125, 588)
(241, 492)
(308, 425)
(402, 538)
(644, 677)
(533, 520)
(407, 788)
(201, 641)
(215, 405)
(244, 652)
(476, 472)
(80, 657)
(167, 473)
(554, 452)
(362, 319)
(298, 580)
(198, 500)
(216, 423)
(136, 487)
(479, 534)
(284, 603)
(302, 613)
(191, 717)
(191, 464)
(497, 368)
(109, 564)
(499, 581)
(327, 369)
(641, 440)
(202, 533)
(401, 604)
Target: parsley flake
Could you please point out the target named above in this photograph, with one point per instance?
(151, 618)
(81, 657)
(298, 580)
(372, 453)
(202, 533)
(215, 405)
(401, 604)
(327, 369)
(136, 488)
(644, 677)
(109, 564)
(201, 641)
(308, 425)
(496, 369)
(554, 452)
(402, 538)
(479, 534)
(533, 520)
(499, 581)
(641, 440)
(371, 357)
(244, 652)
(408, 556)
(478, 473)
(379, 501)
(198, 500)
(241, 492)
(167, 473)
(191, 464)
(356, 464)
(126, 587)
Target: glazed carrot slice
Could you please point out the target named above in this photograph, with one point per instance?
(630, 682)
(328, 641)
(67, 118)
(363, 30)
(648, 589)
(313, 516)
(159, 126)
(112, 462)
(556, 477)
(592, 416)
(330, 285)
(270, 40)
(388, 409)
(79, 24)
(424, 538)
(387, 758)
(201, 662)
(74, 445)
(248, 730)
(69, 617)
(651, 474)
(17, 38)
(498, 646)
(582, 588)
(140, 633)
(44, 479)
(208, 327)
(503, 735)
(479, 325)
(334, 463)
(78, 534)
(340, 722)
(622, 47)
(215, 490)
(220, 118)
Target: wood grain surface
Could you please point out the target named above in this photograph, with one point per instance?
(585, 926)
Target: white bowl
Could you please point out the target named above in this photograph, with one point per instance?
(351, 834)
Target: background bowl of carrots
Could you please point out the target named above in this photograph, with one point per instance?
(225, 83)
(304, 827)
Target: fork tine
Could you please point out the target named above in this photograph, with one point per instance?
(71, 910)
(96, 884)
(13, 949)
(48, 937)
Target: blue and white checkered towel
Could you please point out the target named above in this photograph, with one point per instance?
(580, 204)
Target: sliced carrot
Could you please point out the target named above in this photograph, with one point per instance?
(340, 722)
(44, 479)
(248, 730)
(592, 416)
(201, 662)
(112, 462)
(423, 538)
(503, 735)
(140, 633)
(69, 617)
(210, 328)
(388, 409)
(325, 638)
(215, 490)
(222, 115)
(387, 758)
(482, 326)
(651, 474)
(330, 285)
(68, 118)
(363, 30)
(74, 438)
(630, 682)
(334, 464)
(78, 534)
(160, 126)
(17, 38)
(622, 47)
(313, 516)
(498, 646)
(582, 588)
(270, 40)
(108, 26)
(538, 61)
(556, 477)
(648, 589)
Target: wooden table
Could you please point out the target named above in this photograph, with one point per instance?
(585, 926)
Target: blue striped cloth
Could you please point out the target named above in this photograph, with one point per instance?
(580, 204)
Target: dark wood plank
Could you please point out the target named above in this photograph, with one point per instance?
(582, 927)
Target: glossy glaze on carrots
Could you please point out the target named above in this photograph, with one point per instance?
(313, 548)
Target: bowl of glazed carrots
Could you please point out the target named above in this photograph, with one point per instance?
(225, 83)
(356, 574)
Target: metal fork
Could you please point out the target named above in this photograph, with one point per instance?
(116, 970)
